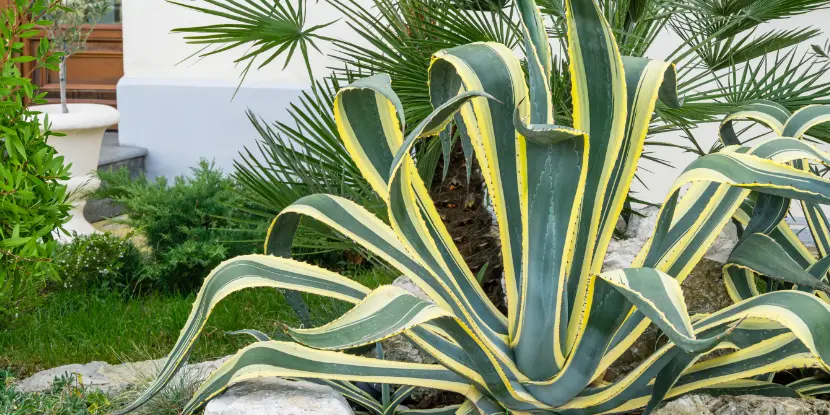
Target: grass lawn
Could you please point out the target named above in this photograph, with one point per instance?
(79, 328)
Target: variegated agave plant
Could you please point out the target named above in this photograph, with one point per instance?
(769, 248)
(557, 193)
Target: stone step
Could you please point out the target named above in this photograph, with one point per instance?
(113, 157)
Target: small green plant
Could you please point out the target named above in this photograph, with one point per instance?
(67, 396)
(74, 21)
(99, 262)
(185, 223)
(557, 193)
(33, 199)
(171, 401)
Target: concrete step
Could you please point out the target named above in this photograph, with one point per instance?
(113, 157)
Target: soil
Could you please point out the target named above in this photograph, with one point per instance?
(464, 212)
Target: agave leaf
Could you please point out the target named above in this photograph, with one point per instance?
(811, 386)
(274, 358)
(246, 272)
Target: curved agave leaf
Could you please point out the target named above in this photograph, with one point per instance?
(274, 358)
(782, 234)
(599, 95)
(804, 119)
(353, 394)
(768, 113)
(784, 150)
(256, 334)
(751, 172)
(811, 386)
(788, 150)
(539, 63)
(366, 116)
(648, 80)
(433, 125)
(686, 229)
(360, 225)
(797, 126)
(820, 268)
(493, 69)
(239, 273)
(760, 254)
(386, 312)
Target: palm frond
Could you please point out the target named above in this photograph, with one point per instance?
(264, 29)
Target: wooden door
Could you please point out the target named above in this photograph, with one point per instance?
(92, 74)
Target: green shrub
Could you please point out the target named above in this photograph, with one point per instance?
(185, 223)
(100, 263)
(66, 397)
(182, 267)
(33, 202)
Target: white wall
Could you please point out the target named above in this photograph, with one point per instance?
(182, 111)
(152, 51)
(152, 55)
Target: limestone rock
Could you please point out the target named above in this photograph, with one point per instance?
(743, 405)
(621, 252)
(724, 244)
(400, 349)
(114, 379)
(275, 396)
(407, 284)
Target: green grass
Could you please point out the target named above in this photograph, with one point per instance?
(80, 328)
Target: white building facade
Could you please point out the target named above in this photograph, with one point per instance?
(182, 110)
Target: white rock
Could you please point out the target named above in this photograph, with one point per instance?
(743, 405)
(274, 396)
(621, 252)
(407, 284)
(724, 244)
(114, 379)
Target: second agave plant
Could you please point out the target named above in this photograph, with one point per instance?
(557, 194)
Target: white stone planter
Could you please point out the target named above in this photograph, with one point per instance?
(84, 127)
